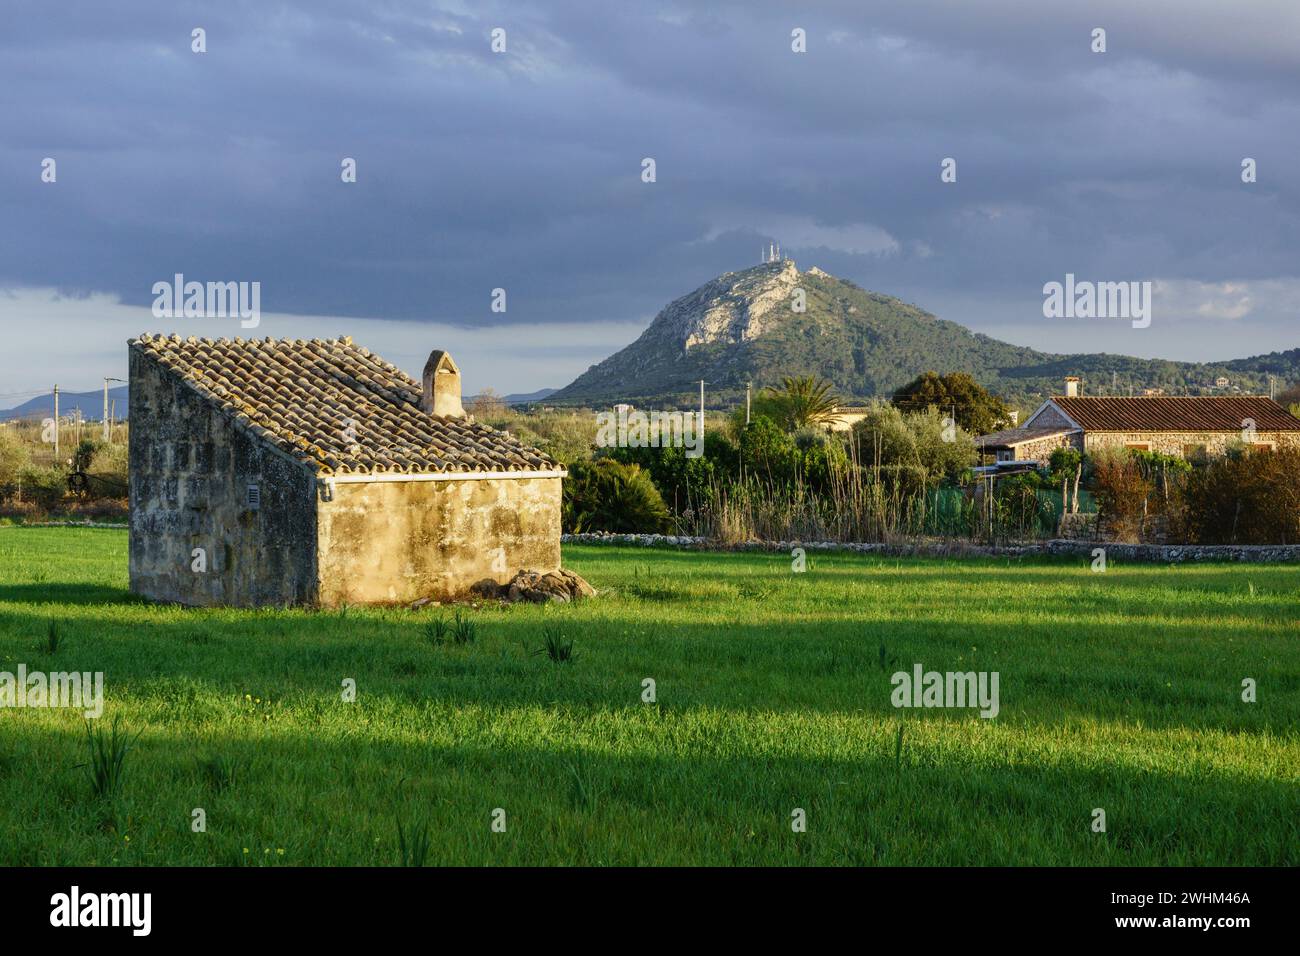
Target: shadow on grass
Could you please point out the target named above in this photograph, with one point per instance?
(67, 592)
(334, 801)
(1156, 681)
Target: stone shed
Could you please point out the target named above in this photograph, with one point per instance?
(278, 471)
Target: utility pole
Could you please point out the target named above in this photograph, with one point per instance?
(701, 409)
(748, 386)
(56, 425)
(107, 426)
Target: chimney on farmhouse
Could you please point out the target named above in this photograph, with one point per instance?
(441, 386)
(1071, 385)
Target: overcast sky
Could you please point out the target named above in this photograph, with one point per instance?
(522, 170)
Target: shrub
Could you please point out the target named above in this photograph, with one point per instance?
(1066, 466)
(1249, 497)
(607, 495)
(824, 457)
(45, 487)
(901, 481)
(887, 436)
(109, 478)
(680, 478)
(14, 457)
(1020, 511)
(1121, 491)
(84, 454)
(766, 450)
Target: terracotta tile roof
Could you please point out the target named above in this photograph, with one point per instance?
(1177, 413)
(302, 396)
(1010, 437)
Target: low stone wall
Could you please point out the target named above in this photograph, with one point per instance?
(1078, 527)
(940, 548)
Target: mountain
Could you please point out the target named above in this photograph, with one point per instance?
(91, 405)
(740, 327)
(522, 398)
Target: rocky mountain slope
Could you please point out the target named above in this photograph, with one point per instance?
(741, 327)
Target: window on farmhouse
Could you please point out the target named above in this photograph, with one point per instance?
(1194, 453)
(1138, 445)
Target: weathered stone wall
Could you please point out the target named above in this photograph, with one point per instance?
(1079, 527)
(404, 540)
(1172, 443)
(1049, 417)
(190, 469)
(1042, 448)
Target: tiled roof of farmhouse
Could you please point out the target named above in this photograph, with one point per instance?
(1177, 413)
(335, 406)
(1010, 437)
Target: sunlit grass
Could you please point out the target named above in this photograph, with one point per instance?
(772, 692)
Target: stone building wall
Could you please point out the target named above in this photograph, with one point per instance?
(189, 477)
(384, 541)
(1049, 417)
(1174, 443)
(1042, 448)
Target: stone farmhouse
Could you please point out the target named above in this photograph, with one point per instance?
(275, 472)
(1194, 427)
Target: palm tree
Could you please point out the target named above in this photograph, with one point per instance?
(801, 401)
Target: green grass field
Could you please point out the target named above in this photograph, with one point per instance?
(1119, 691)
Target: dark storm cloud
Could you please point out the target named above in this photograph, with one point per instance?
(521, 170)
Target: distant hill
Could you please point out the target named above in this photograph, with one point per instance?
(520, 398)
(740, 327)
(90, 403)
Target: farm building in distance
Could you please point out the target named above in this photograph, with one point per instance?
(270, 472)
(1194, 427)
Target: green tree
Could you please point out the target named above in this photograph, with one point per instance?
(924, 439)
(1289, 398)
(958, 394)
(768, 451)
(1066, 465)
(799, 402)
(14, 457)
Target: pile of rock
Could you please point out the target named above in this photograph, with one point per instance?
(538, 586)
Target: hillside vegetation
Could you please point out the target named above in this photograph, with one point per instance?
(741, 328)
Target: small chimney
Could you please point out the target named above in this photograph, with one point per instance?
(441, 386)
(1071, 386)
